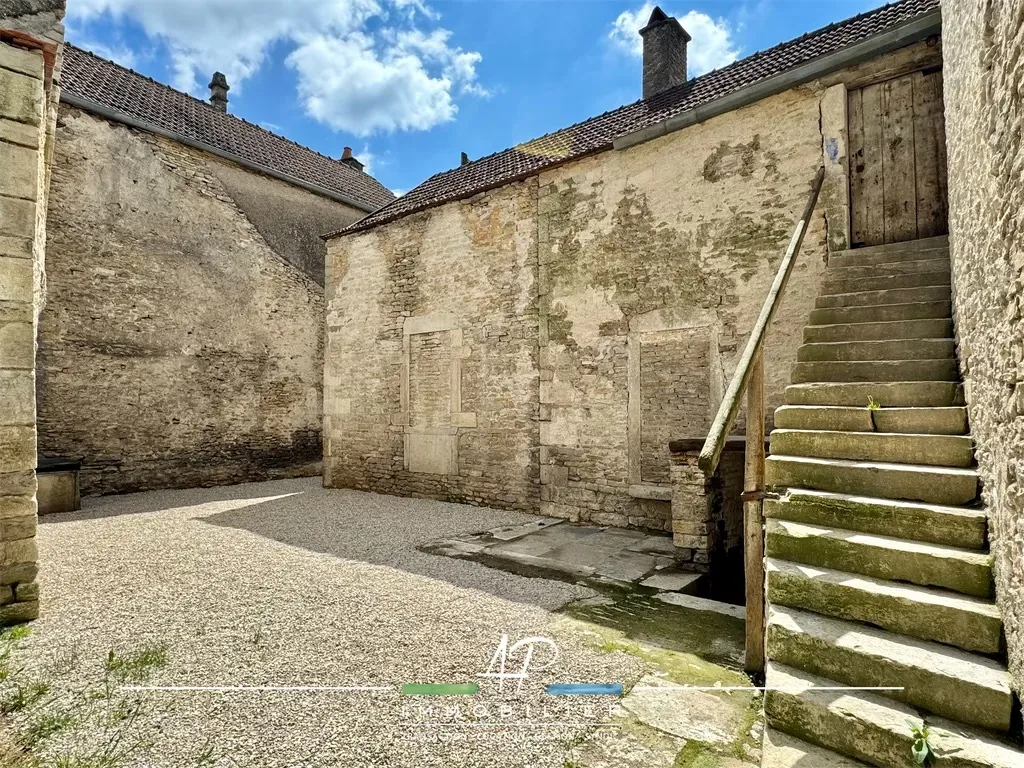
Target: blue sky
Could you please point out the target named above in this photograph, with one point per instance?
(409, 84)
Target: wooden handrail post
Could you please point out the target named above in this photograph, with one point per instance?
(753, 517)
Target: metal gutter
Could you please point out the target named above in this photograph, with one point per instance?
(885, 42)
(119, 117)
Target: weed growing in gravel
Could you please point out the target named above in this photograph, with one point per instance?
(136, 667)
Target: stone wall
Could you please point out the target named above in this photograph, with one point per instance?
(177, 347)
(431, 360)
(651, 265)
(30, 37)
(984, 126)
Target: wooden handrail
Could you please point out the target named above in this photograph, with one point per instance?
(730, 407)
(749, 379)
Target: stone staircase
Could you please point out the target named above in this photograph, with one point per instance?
(878, 571)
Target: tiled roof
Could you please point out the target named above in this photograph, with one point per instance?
(597, 133)
(89, 77)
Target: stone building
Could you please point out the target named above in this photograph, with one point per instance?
(532, 329)
(181, 340)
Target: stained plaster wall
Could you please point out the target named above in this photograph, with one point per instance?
(178, 347)
(651, 266)
(985, 138)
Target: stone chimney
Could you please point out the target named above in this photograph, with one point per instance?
(664, 53)
(465, 159)
(219, 92)
(349, 160)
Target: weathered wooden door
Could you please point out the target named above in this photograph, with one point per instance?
(897, 160)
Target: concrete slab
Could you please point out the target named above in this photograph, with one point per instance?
(688, 713)
(518, 531)
(661, 545)
(703, 604)
(626, 566)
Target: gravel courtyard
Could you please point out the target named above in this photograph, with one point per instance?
(287, 584)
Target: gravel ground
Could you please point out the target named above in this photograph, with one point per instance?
(285, 583)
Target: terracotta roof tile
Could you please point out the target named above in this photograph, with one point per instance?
(90, 77)
(598, 133)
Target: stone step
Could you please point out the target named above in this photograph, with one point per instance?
(949, 682)
(879, 254)
(887, 349)
(921, 421)
(933, 328)
(881, 313)
(961, 527)
(890, 394)
(884, 297)
(780, 750)
(882, 557)
(927, 614)
(875, 370)
(950, 486)
(867, 726)
(832, 286)
(889, 268)
(934, 450)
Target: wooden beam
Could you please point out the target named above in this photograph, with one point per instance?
(753, 519)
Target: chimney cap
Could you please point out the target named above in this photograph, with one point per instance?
(219, 81)
(659, 17)
(349, 159)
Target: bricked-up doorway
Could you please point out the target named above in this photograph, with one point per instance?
(898, 187)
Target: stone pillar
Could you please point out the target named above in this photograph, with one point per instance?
(29, 69)
(695, 499)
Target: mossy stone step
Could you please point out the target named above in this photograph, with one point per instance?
(887, 394)
(875, 370)
(889, 349)
(832, 286)
(882, 557)
(949, 682)
(920, 421)
(951, 486)
(961, 527)
(934, 450)
(927, 614)
(869, 727)
(882, 313)
(780, 750)
(929, 328)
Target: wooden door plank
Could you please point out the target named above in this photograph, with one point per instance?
(855, 131)
(929, 141)
(900, 195)
(874, 222)
(942, 223)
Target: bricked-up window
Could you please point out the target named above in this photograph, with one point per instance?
(430, 403)
(675, 395)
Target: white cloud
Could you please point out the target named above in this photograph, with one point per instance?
(712, 45)
(121, 54)
(367, 158)
(363, 66)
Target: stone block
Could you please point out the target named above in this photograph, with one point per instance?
(26, 592)
(16, 278)
(21, 97)
(689, 541)
(20, 527)
(17, 447)
(22, 134)
(18, 552)
(17, 217)
(16, 247)
(17, 397)
(17, 344)
(17, 574)
(15, 613)
(553, 474)
(20, 483)
(22, 61)
(6, 594)
(21, 171)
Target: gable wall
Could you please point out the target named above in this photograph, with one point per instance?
(177, 348)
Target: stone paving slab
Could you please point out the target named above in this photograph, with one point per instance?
(555, 548)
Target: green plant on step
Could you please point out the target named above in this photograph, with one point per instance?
(873, 407)
(921, 749)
